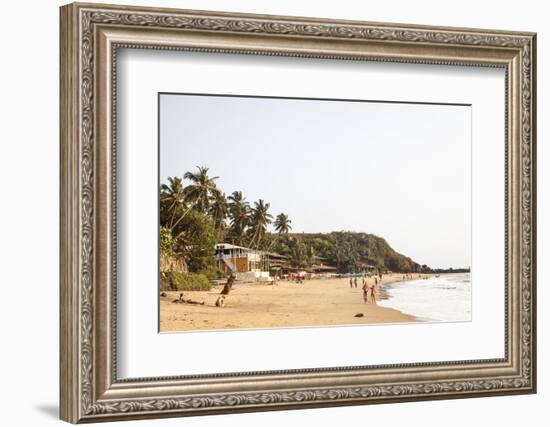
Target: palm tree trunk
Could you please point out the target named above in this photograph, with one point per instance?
(182, 216)
(228, 285)
(173, 214)
(253, 238)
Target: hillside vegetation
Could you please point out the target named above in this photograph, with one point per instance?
(348, 251)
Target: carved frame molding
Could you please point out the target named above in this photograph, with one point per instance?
(90, 36)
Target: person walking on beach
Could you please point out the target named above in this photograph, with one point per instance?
(365, 291)
(351, 282)
(375, 280)
(373, 294)
(355, 282)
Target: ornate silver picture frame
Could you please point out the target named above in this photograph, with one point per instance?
(91, 36)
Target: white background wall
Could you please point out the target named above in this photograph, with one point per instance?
(29, 170)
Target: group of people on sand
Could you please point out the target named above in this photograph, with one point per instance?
(368, 290)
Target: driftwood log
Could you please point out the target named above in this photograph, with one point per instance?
(182, 300)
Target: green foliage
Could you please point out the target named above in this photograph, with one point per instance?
(171, 199)
(195, 240)
(239, 217)
(218, 211)
(300, 255)
(349, 252)
(189, 281)
(213, 273)
(193, 237)
(282, 224)
(260, 218)
(166, 241)
(201, 190)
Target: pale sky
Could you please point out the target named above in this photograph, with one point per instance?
(400, 171)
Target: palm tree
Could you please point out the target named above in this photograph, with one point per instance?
(218, 211)
(282, 224)
(201, 189)
(311, 257)
(259, 220)
(239, 211)
(171, 197)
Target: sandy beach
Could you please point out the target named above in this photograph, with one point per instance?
(318, 302)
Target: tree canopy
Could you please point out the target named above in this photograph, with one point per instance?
(195, 214)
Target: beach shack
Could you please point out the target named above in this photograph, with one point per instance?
(247, 264)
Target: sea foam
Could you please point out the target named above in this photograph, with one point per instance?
(447, 298)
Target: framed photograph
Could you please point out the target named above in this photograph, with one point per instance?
(266, 213)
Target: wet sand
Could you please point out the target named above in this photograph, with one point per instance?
(318, 302)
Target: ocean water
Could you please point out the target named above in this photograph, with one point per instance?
(447, 298)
